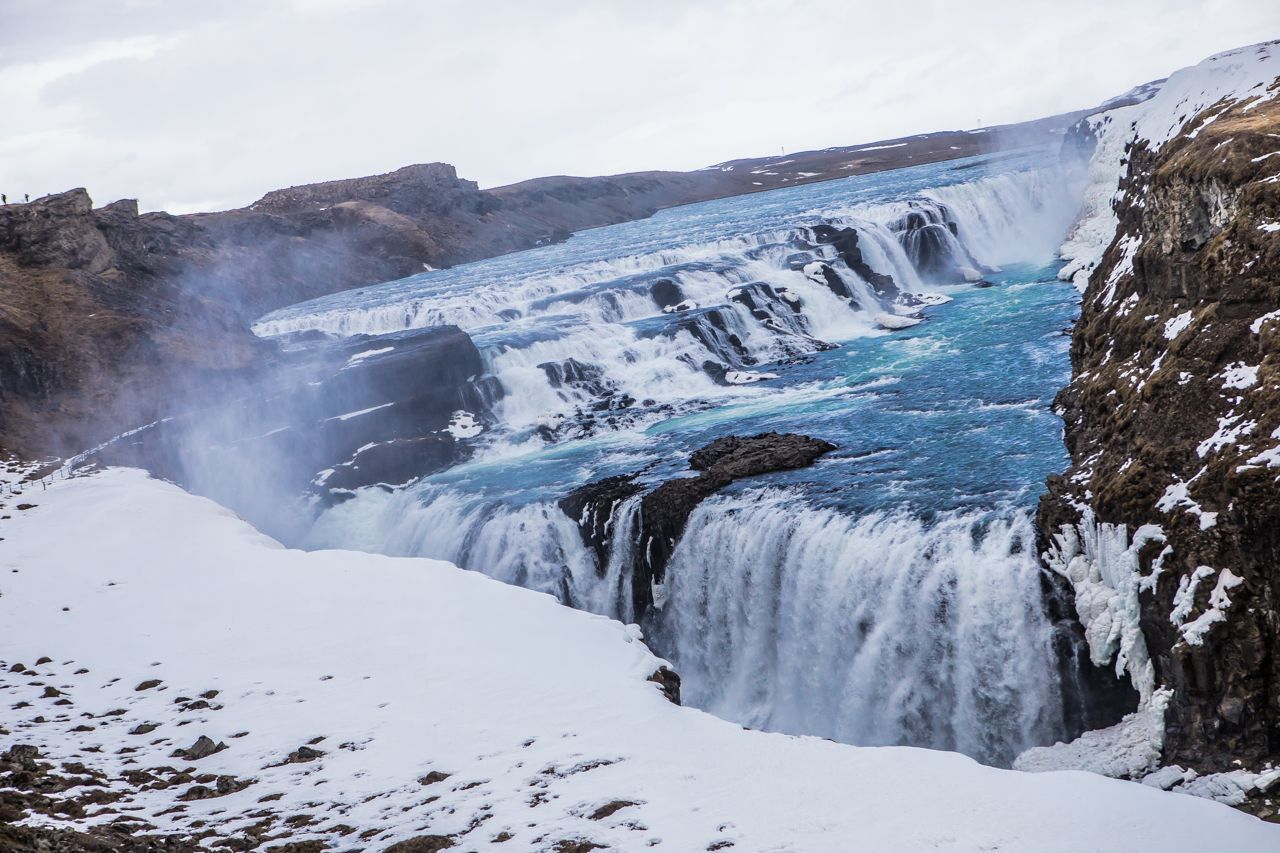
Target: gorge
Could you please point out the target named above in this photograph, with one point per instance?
(800, 438)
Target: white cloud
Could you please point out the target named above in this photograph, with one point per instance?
(196, 105)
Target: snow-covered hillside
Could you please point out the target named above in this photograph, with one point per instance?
(364, 700)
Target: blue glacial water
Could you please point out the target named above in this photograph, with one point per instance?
(887, 595)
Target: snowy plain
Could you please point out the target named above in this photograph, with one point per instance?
(541, 716)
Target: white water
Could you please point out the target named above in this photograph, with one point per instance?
(879, 630)
(600, 313)
(1036, 208)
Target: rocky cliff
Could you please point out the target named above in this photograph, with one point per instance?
(1167, 524)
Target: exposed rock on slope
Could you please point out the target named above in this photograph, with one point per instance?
(1168, 522)
(97, 309)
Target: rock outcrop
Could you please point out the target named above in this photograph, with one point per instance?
(664, 511)
(1168, 522)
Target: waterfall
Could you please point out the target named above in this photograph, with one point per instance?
(889, 627)
(1015, 216)
(878, 630)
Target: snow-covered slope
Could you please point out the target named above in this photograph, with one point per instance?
(146, 598)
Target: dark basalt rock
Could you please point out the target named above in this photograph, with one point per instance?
(592, 507)
(363, 410)
(845, 242)
(666, 293)
(669, 682)
(927, 234)
(665, 510)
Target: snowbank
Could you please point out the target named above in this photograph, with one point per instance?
(540, 715)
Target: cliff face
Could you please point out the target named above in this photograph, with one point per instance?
(1167, 524)
(96, 309)
(108, 318)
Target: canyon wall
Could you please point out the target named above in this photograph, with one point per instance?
(1167, 524)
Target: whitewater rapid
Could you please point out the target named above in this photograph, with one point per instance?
(889, 595)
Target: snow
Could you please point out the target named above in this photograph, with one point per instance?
(1129, 749)
(1166, 777)
(1193, 632)
(880, 147)
(1177, 494)
(931, 299)
(1239, 375)
(1232, 787)
(1096, 220)
(1230, 428)
(1102, 567)
(358, 412)
(463, 424)
(1269, 458)
(1237, 74)
(1177, 325)
(1256, 325)
(746, 377)
(1242, 74)
(1269, 227)
(540, 713)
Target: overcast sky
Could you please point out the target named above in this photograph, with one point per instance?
(206, 105)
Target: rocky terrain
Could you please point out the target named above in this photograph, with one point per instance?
(1168, 522)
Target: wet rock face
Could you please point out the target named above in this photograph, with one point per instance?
(665, 510)
(592, 506)
(1173, 419)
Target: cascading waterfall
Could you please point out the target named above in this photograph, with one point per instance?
(1013, 216)
(888, 627)
(885, 629)
(880, 630)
